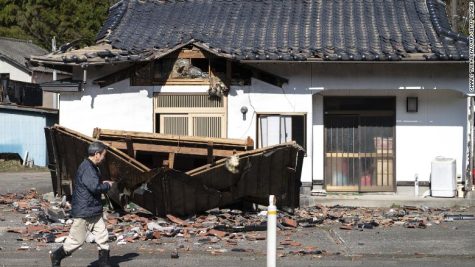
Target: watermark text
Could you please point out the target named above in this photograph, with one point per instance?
(471, 52)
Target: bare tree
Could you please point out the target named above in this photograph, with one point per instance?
(457, 10)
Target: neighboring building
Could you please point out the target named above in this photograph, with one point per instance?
(24, 108)
(22, 131)
(373, 91)
(14, 65)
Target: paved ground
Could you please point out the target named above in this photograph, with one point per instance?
(19, 181)
(447, 244)
(451, 244)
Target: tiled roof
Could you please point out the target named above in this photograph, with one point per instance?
(288, 29)
(16, 51)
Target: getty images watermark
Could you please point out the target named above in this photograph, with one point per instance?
(471, 52)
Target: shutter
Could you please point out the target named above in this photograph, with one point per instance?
(207, 126)
(191, 114)
(174, 124)
(188, 101)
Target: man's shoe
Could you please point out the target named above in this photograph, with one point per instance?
(56, 256)
(104, 259)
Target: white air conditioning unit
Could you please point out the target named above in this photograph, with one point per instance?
(443, 177)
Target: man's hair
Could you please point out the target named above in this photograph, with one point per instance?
(95, 147)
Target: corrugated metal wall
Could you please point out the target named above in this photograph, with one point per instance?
(22, 131)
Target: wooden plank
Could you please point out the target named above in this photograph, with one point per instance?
(348, 188)
(171, 160)
(249, 143)
(241, 155)
(182, 81)
(210, 153)
(171, 149)
(104, 133)
(189, 53)
(115, 151)
(52, 157)
(130, 148)
(96, 133)
(384, 172)
(174, 192)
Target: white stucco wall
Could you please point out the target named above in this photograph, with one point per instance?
(439, 128)
(180, 88)
(390, 76)
(15, 73)
(259, 98)
(118, 106)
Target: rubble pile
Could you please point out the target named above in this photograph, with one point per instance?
(42, 221)
(350, 218)
(47, 220)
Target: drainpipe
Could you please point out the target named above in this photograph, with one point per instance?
(84, 73)
(311, 148)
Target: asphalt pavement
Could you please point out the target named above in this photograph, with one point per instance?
(445, 244)
(21, 181)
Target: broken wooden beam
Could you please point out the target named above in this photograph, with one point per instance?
(246, 176)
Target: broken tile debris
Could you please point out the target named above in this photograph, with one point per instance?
(47, 220)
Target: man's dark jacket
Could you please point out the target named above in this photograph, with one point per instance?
(87, 191)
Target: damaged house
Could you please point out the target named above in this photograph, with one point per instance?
(372, 90)
(197, 174)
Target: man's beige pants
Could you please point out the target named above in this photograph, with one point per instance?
(78, 231)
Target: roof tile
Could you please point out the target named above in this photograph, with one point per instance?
(358, 30)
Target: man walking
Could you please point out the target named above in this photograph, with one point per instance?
(87, 208)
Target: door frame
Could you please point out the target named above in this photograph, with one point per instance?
(377, 155)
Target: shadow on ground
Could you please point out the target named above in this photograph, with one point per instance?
(116, 260)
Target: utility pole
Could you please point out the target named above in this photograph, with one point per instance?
(55, 75)
(53, 49)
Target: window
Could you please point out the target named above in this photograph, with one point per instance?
(190, 114)
(276, 129)
(205, 125)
